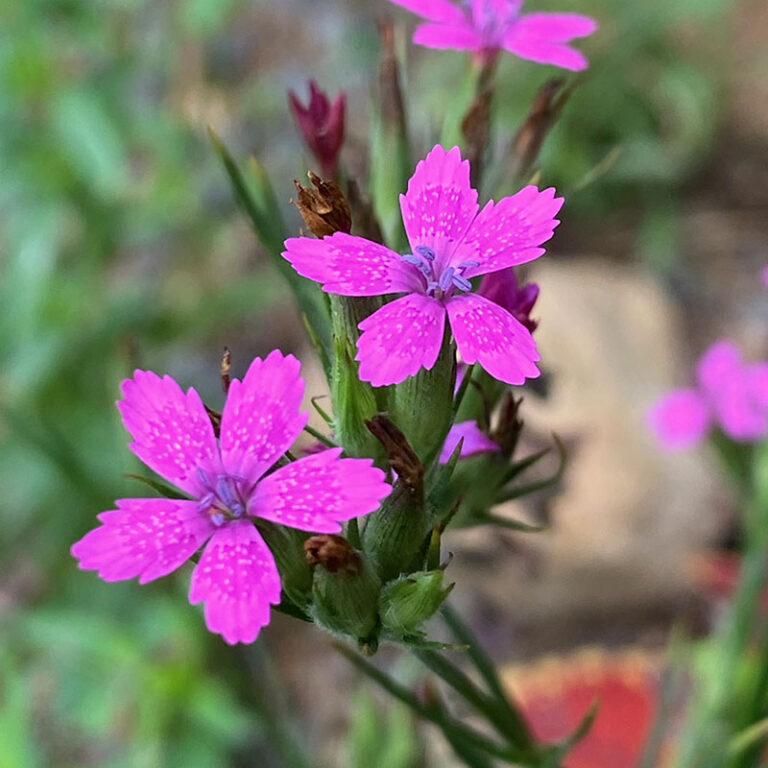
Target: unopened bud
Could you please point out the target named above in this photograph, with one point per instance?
(321, 123)
(345, 592)
(409, 601)
(324, 208)
(509, 426)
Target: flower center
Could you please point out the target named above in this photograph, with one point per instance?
(440, 286)
(492, 18)
(223, 499)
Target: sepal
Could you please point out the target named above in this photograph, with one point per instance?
(406, 603)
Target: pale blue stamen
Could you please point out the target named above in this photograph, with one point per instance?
(461, 283)
(425, 251)
(446, 279)
(218, 519)
(206, 502)
(409, 258)
(469, 263)
(202, 476)
(224, 491)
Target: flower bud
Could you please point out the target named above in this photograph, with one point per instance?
(395, 534)
(321, 123)
(287, 547)
(354, 401)
(410, 600)
(345, 590)
(422, 405)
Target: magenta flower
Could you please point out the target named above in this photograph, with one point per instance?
(503, 289)
(229, 483)
(731, 394)
(475, 441)
(487, 26)
(321, 124)
(451, 242)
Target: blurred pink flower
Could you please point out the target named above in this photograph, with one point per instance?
(731, 394)
(321, 123)
(475, 441)
(236, 576)
(452, 241)
(487, 26)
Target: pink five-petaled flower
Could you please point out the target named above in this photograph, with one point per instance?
(321, 123)
(487, 26)
(236, 576)
(730, 393)
(451, 242)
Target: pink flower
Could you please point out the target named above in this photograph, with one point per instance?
(487, 26)
(730, 394)
(321, 124)
(230, 483)
(475, 441)
(451, 242)
(502, 288)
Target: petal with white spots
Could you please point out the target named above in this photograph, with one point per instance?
(171, 430)
(261, 418)
(316, 493)
(147, 538)
(351, 266)
(487, 334)
(238, 581)
(439, 204)
(400, 338)
(511, 231)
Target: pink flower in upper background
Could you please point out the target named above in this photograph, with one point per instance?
(475, 441)
(451, 241)
(236, 576)
(503, 289)
(487, 26)
(321, 124)
(731, 394)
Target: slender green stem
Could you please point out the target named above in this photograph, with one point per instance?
(469, 740)
(487, 669)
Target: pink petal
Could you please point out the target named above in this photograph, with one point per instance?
(172, 432)
(510, 232)
(680, 419)
(434, 10)
(350, 266)
(740, 406)
(317, 492)
(440, 203)
(475, 441)
(400, 338)
(544, 52)
(148, 538)
(717, 366)
(459, 37)
(486, 333)
(261, 418)
(554, 27)
(237, 579)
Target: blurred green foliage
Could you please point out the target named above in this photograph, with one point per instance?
(120, 246)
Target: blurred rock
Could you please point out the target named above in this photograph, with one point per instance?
(615, 559)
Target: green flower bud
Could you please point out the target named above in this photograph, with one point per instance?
(410, 600)
(422, 405)
(354, 401)
(345, 590)
(287, 547)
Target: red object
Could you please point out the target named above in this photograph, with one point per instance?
(321, 123)
(556, 694)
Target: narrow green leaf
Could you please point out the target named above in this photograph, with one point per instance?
(539, 485)
(156, 485)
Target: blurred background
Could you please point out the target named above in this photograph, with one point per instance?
(121, 246)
